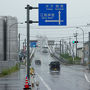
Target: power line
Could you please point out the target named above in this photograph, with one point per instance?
(57, 27)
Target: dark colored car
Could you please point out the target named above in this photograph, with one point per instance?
(54, 66)
(37, 62)
(45, 51)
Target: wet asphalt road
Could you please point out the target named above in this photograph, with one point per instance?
(14, 81)
(69, 78)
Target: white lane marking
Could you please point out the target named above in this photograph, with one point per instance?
(86, 78)
(44, 82)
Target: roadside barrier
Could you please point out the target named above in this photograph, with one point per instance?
(27, 86)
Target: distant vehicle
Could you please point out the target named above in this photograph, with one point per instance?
(38, 62)
(45, 49)
(54, 66)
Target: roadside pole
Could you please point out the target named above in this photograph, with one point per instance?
(76, 44)
(28, 36)
(75, 35)
(19, 47)
(89, 53)
(28, 56)
(25, 44)
(70, 46)
(60, 47)
(73, 53)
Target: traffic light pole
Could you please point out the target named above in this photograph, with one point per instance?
(76, 42)
(83, 43)
(76, 45)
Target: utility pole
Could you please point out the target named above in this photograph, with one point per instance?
(70, 46)
(65, 48)
(89, 52)
(83, 42)
(60, 47)
(73, 52)
(76, 45)
(25, 44)
(19, 43)
(76, 42)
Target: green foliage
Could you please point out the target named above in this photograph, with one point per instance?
(70, 59)
(5, 72)
(9, 71)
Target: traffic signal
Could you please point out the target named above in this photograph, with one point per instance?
(75, 42)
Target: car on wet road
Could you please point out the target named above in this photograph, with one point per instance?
(38, 62)
(54, 66)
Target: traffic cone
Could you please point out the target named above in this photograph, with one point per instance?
(26, 83)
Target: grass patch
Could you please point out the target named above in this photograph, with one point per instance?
(22, 63)
(9, 71)
(70, 59)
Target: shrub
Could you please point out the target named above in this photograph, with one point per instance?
(9, 71)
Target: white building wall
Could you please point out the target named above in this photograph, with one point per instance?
(12, 38)
(80, 53)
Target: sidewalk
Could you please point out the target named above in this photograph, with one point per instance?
(14, 81)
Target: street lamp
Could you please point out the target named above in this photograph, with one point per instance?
(83, 42)
(9, 35)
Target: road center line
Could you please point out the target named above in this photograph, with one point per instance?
(86, 78)
(44, 82)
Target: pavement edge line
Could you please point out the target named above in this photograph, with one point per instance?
(44, 82)
(86, 78)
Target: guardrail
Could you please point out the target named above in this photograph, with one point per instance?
(55, 55)
(32, 53)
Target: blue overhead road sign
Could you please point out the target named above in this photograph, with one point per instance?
(52, 14)
(33, 44)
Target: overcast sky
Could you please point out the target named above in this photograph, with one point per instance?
(78, 13)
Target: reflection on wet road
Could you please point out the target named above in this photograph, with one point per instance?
(14, 81)
(68, 79)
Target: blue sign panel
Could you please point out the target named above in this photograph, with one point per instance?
(52, 14)
(33, 44)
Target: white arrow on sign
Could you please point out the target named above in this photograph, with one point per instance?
(56, 20)
(59, 16)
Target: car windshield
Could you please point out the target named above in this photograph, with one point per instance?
(54, 63)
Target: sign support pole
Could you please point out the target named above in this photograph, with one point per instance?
(28, 37)
(28, 56)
